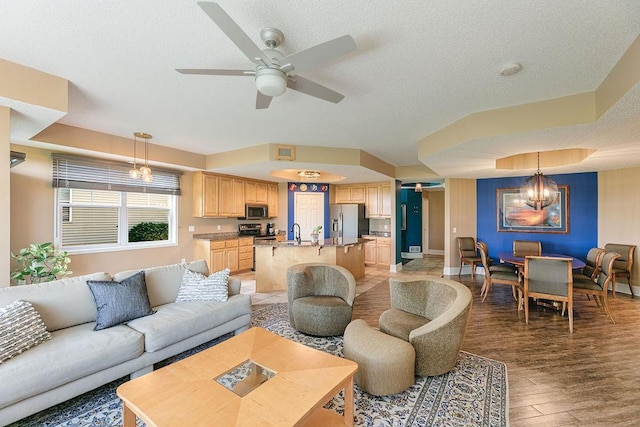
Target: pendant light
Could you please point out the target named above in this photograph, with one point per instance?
(143, 172)
(539, 191)
(418, 187)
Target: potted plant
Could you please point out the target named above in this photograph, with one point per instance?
(40, 262)
(315, 233)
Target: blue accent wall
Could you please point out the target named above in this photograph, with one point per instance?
(582, 213)
(412, 236)
(305, 187)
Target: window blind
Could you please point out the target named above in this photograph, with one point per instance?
(99, 174)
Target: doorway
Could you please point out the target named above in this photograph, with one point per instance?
(308, 212)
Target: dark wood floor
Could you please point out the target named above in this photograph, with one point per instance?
(588, 378)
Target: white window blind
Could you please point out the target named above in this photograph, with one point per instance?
(98, 174)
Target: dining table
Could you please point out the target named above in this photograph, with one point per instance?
(507, 256)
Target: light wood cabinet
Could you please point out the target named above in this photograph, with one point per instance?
(272, 200)
(378, 251)
(378, 204)
(205, 195)
(256, 191)
(225, 196)
(231, 196)
(221, 254)
(350, 193)
(245, 253)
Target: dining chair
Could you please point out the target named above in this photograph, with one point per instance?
(523, 248)
(599, 289)
(548, 278)
(468, 254)
(593, 263)
(499, 274)
(622, 266)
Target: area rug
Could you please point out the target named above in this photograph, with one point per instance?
(474, 393)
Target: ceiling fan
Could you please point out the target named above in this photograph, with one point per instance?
(274, 72)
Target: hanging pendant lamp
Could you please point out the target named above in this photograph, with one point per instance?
(143, 172)
(539, 191)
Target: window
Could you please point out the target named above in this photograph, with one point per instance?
(99, 208)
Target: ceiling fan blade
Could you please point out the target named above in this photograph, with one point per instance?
(214, 72)
(317, 55)
(234, 32)
(262, 101)
(314, 89)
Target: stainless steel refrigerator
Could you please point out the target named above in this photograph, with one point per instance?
(347, 220)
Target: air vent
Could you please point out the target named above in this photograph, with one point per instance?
(16, 158)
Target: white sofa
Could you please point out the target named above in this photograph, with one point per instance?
(78, 359)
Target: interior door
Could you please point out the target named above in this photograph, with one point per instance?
(309, 212)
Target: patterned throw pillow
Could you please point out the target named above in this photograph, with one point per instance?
(198, 287)
(119, 302)
(21, 328)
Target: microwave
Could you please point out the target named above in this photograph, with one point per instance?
(256, 211)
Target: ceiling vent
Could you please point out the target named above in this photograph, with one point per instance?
(16, 158)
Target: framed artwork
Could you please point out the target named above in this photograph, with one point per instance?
(515, 215)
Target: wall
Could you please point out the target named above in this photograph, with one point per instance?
(436, 220)
(582, 216)
(619, 213)
(5, 178)
(32, 205)
(412, 236)
(459, 200)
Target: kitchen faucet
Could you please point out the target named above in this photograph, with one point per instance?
(296, 236)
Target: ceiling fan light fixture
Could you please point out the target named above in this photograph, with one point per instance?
(271, 82)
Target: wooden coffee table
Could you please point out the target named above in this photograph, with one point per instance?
(187, 392)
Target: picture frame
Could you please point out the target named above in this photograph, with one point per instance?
(513, 215)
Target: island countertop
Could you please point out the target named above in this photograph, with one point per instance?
(330, 242)
(273, 258)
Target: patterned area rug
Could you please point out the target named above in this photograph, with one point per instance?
(474, 393)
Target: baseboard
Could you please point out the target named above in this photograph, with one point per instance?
(435, 252)
(412, 255)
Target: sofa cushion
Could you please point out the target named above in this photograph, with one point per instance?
(163, 282)
(72, 353)
(198, 287)
(21, 328)
(180, 320)
(119, 302)
(53, 299)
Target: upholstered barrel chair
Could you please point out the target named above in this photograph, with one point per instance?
(320, 298)
(432, 314)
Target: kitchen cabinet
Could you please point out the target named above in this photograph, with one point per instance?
(256, 192)
(272, 200)
(377, 251)
(245, 253)
(221, 254)
(205, 195)
(231, 196)
(378, 204)
(350, 193)
(225, 196)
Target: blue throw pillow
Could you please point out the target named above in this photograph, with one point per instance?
(119, 302)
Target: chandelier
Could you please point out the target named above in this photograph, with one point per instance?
(309, 174)
(144, 171)
(418, 187)
(539, 191)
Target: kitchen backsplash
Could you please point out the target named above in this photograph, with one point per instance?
(380, 224)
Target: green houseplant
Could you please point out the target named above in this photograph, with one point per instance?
(40, 262)
(315, 233)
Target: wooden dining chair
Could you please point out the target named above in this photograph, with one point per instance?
(549, 278)
(599, 289)
(468, 254)
(622, 266)
(593, 263)
(499, 274)
(523, 248)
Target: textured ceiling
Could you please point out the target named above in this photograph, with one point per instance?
(420, 66)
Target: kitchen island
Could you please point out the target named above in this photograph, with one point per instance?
(274, 258)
